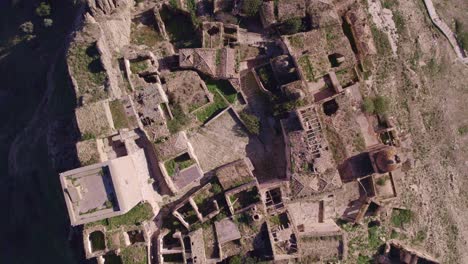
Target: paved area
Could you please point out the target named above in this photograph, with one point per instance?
(222, 141)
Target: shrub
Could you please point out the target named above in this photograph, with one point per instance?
(27, 27)
(216, 188)
(251, 122)
(235, 260)
(43, 9)
(251, 7)
(377, 105)
(48, 22)
(292, 25)
(368, 105)
(381, 105)
(400, 217)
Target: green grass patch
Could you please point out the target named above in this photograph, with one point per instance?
(145, 35)
(374, 237)
(296, 41)
(134, 255)
(87, 69)
(251, 122)
(179, 163)
(212, 109)
(138, 66)
(118, 114)
(381, 41)
(376, 105)
(307, 67)
(336, 144)
(224, 87)
(401, 217)
(136, 216)
(179, 121)
(275, 220)
(267, 77)
(362, 259)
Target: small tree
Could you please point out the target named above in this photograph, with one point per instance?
(381, 105)
(48, 22)
(368, 105)
(27, 27)
(292, 25)
(251, 122)
(43, 9)
(251, 7)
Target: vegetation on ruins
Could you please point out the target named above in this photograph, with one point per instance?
(306, 65)
(368, 105)
(224, 87)
(251, 122)
(401, 217)
(178, 164)
(87, 69)
(218, 57)
(267, 77)
(335, 143)
(381, 41)
(136, 216)
(135, 254)
(291, 26)
(251, 7)
(138, 66)
(179, 121)
(296, 41)
(216, 188)
(382, 180)
(281, 107)
(376, 105)
(88, 136)
(213, 108)
(118, 114)
(144, 35)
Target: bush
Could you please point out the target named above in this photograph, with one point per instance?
(251, 122)
(235, 260)
(251, 7)
(377, 105)
(381, 105)
(216, 188)
(401, 217)
(27, 27)
(48, 22)
(292, 26)
(43, 10)
(368, 105)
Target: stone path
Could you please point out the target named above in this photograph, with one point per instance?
(446, 31)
